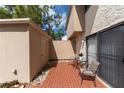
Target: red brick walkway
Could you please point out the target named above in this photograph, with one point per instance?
(63, 75)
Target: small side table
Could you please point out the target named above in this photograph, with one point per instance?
(81, 63)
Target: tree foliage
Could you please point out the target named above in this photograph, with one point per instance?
(38, 14)
(58, 35)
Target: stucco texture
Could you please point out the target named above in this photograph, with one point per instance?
(14, 53)
(24, 48)
(75, 21)
(39, 51)
(103, 16)
(61, 50)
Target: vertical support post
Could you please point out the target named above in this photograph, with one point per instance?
(87, 52)
(98, 47)
(98, 52)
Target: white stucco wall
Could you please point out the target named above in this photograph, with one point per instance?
(103, 16)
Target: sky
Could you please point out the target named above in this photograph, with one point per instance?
(62, 10)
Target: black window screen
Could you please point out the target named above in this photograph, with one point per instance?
(110, 48)
(111, 56)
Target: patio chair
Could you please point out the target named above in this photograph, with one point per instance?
(90, 72)
(78, 61)
(74, 60)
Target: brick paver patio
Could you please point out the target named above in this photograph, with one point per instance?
(63, 75)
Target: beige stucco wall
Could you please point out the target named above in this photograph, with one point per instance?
(61, 50)
(77, 43)
(39, 51)
(96, 19)
(79, 39)
(79, 18)
(100, 17)
(23, 46)
(76, 27)
(73, 43)
(89, 18)
(75, 21)
(14, 52)
(70, 27)
(103, 16)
